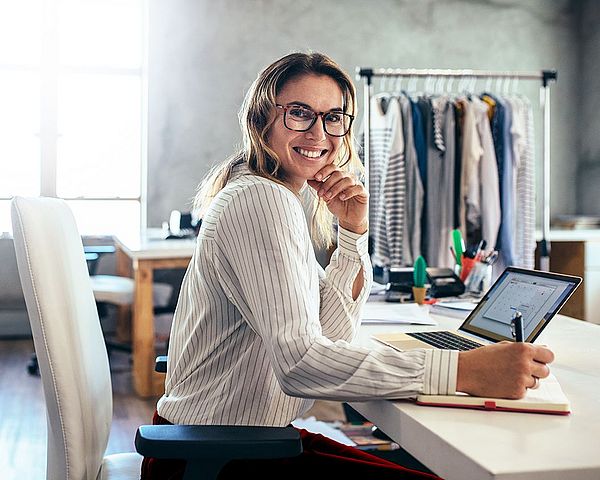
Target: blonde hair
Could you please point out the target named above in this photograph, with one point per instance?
(256, 117)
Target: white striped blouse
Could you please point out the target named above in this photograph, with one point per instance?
(261, 329)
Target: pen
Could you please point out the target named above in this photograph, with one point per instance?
(491, 258)
(459, 245)
(517, 324)
(480, 248)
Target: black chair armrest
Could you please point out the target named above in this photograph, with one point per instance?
(160, 364)
(207, 448)
(217, 441)
(93, 254)
(91, 257)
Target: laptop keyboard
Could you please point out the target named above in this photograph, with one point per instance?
(445, 340)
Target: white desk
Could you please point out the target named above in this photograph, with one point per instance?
(138, 257)
(469, 444)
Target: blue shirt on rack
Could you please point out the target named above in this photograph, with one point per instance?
(501, 132)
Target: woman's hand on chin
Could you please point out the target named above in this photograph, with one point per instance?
(344, 195)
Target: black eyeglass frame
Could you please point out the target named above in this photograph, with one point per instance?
(314, 120)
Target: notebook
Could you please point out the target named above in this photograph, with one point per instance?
(547, 398)
(538, 296)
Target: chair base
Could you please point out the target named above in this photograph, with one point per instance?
(33, 367)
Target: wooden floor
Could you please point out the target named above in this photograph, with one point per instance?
(23, 415)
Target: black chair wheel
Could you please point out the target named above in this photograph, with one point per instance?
(33, 368)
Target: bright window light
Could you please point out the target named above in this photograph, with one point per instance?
(71, 103)
(20, 32)
(99, 145)
(19, 133)
(98, 217)
(5, 223)
(100, 33)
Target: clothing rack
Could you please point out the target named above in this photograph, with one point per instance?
(544, 76)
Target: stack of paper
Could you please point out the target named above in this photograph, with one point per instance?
(453, 309)
(397, 313)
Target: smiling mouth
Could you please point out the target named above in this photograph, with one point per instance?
(310, 153)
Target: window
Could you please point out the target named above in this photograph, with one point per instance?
(72, 105)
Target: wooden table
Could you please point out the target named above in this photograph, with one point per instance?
(138, 257)
(460, 444)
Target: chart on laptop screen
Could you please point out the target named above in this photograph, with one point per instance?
(533, 296)
(522, 296)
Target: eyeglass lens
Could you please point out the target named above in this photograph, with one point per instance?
(301, 119)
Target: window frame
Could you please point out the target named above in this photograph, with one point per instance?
(49, 71)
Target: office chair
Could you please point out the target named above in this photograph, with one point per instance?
(114, 290)
(118, 291)
(75, 372)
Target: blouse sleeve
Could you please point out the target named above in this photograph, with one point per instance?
(340, 313)
(265, 250)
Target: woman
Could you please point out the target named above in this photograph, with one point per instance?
(260, 328)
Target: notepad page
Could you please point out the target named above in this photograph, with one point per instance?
(549, 391)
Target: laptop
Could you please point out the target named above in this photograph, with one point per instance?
(538, 296)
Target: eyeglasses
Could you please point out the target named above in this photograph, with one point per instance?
(302, 119)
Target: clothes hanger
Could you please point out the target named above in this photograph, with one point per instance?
(412, 85)
(398, 86)
(383, 97)
(439, 85)
(488, 84)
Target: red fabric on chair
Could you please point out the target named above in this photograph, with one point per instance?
(321, 456)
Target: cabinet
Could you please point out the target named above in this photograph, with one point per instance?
(574, 254)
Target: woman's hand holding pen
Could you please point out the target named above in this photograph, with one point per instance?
(345, 196)
(503, 370)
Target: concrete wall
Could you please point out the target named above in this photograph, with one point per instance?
(204, 54)
(588, 200)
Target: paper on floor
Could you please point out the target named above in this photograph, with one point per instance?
(316, 426)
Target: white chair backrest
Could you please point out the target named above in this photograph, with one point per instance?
(67, 336)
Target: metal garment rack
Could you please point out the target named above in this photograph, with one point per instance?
(544, 76)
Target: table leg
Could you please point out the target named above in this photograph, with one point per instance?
(146, 382)
(123, 267)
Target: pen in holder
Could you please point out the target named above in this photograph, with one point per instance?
(479, 279)
(466, 267)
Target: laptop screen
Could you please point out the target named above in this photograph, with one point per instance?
(537, 295)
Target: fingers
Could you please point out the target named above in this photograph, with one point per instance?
(535, 358)
(336, 183)
(504, 370)
(536, 383)
(325, 172)
(354, 191)
(539, 370)
(538, 358)
(537, 353)
(542, 354)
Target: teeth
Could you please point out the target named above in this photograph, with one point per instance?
(309, 154)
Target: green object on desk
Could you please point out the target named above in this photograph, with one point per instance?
(420, 272)
(459, 245)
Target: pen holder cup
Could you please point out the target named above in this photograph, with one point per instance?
(479, 279)
(419, 294)
(466, 267)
